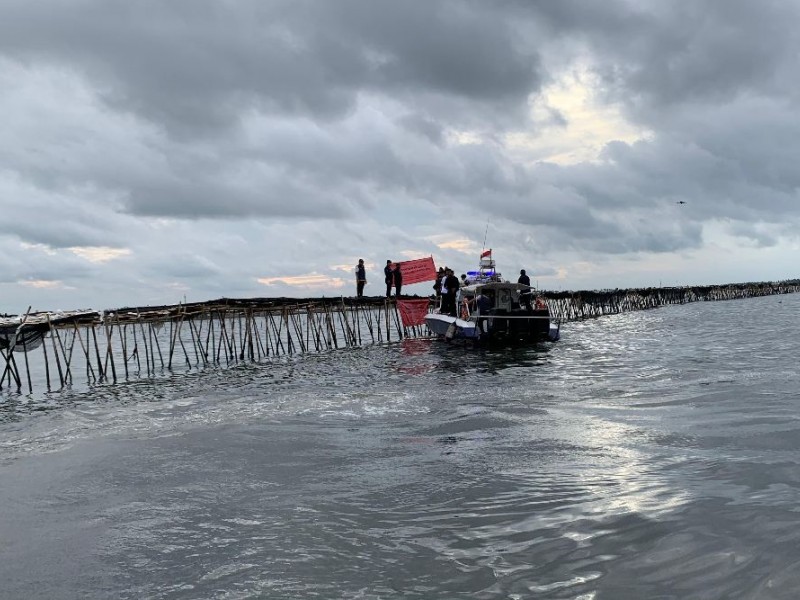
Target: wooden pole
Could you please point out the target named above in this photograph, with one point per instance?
(53, 333)
(124, 342)
(97, 353)
(27, 366)
(158, 348)
(89, 369)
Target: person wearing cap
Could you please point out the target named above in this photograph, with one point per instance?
(361, 277)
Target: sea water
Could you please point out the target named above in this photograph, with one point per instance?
(646, 455)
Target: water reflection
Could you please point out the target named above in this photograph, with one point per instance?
(613, 464)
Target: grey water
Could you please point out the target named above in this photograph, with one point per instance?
(647, 455)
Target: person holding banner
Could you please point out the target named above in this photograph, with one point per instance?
(398, 280)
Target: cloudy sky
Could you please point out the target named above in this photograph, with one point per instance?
(152, 151)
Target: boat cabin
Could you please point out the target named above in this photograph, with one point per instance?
(504, 296)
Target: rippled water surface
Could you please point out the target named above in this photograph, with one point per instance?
(648, 455)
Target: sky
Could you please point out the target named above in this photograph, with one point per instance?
(154, 152)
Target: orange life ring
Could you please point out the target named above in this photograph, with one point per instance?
(465, 309)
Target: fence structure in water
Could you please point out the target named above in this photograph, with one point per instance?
(56, 348)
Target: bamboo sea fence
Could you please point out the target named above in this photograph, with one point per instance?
(58, 350)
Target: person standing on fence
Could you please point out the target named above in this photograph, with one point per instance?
(361, 277)
(388, 277)
(398, 280)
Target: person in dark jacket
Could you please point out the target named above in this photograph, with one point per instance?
(451, 284)
(388, 277)
(398, 280)
(525, 295)
(483, 305)
(361, 277)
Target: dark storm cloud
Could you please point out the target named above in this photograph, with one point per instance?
(197, 71)
(328, 110)
(194, 65)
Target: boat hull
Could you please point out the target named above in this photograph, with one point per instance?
(452, 327)
(523, 327)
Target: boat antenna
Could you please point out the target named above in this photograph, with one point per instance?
(485, 234)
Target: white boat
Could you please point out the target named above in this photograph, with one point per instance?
(452, 327)
(491, 310)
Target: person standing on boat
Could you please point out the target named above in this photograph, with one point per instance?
(525, 294)
(361, 277)
(437, 285)
(451, 283)
(398, 280)
(388, 277)
(483, 305)
(443, 290)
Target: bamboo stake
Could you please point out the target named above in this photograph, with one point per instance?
(199, 345)
(277, 330)
(331, 325)
(158, 348)
(388, 322)
(173, 334)
(69, 360)
(89, 368)
(213, 334)
(136, 349)
(194, 341)
(124, 342)
(109, 351)
(97, 353)
(259, 344)
(46, 367)
(146, 349)
(27, 366)
(53, 333)
(16, 374)
(397, 322)
(221, 338)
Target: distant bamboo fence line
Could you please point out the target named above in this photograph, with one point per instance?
(120, 344)
(572, 306)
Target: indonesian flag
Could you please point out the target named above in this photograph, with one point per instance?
(486, 253)
(413, 312)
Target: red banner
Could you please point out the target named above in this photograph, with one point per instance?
(412, 312)
(415, 271)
